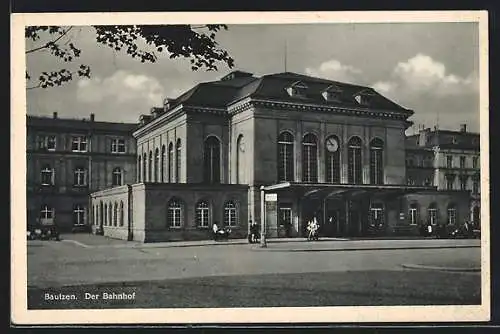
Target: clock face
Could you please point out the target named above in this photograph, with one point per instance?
(332, 145)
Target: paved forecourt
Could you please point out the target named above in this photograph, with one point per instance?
(52, 264)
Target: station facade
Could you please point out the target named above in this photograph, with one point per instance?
(313, 147)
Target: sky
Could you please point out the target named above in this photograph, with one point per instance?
(430, 68)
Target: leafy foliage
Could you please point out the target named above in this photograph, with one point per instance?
(142, 42)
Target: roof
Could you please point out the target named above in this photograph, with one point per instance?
(445, 139)
(351, 190)
(239, 85)
(78, 124)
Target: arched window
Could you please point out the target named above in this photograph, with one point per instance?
(47, 175)
(144, 167)
(163, 163)
(117, 176)
(452, 214)
(115, 216)
(122, 217)
(230, 214)
(110, 214)
(413, 214)
(202, 214)
(80, 177)
(171, 162)
(240, 160)
(332, 160)
(139, 168)
(157, 165)
(354, 161)
(285, 157)
(78, 215)
(150, 167)
(101, 214)
(376, 161)
(178, 161)
(309, 159)
(174, 214)
(432, 214)
(212, 160)
(105, 216)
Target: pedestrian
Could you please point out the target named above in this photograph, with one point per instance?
(466, 228)
(251, 238)
(215, 229)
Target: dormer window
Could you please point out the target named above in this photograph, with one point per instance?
(364, 98)
(167, 103)
(297, 89)
(332, 94)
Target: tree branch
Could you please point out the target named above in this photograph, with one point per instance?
(33, 87)
(46, 44)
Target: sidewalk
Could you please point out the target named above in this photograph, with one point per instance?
(280, 244)
(93, 241)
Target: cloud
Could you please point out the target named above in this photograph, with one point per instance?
(335, 70)
(423, 75)
(122, 87)
(424, 85)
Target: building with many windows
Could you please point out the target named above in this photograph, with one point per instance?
(449, 160)
(284, 148)
(67, 159)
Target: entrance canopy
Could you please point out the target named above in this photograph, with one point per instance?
(328, 190)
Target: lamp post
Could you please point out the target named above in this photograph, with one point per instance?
(263, 228)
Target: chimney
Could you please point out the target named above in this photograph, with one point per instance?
(463, 127)
(92, 117)
(54, 115)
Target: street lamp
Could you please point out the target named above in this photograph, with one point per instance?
(263, 243)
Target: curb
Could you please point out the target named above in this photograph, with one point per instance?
(245, 242)
(77, 243)
(358, 248)
(453, 269)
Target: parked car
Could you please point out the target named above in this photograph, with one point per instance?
(39, 231)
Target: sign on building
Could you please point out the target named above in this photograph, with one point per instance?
(271, 197)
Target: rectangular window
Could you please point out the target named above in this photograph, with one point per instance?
(462, 162)
(475, 162)
(47, 176)
(79, 215)
(80, 177)
(79, 144)
(117, 145)
(463, 183)
(376, 215)
(46, 143)
(433, 216)
(452, 216)
(449, 182)
(449, 161)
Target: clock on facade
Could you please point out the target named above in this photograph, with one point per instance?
(332, 145)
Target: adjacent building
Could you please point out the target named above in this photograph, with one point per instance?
(449, 160)
(67, 159)
(284, 148)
